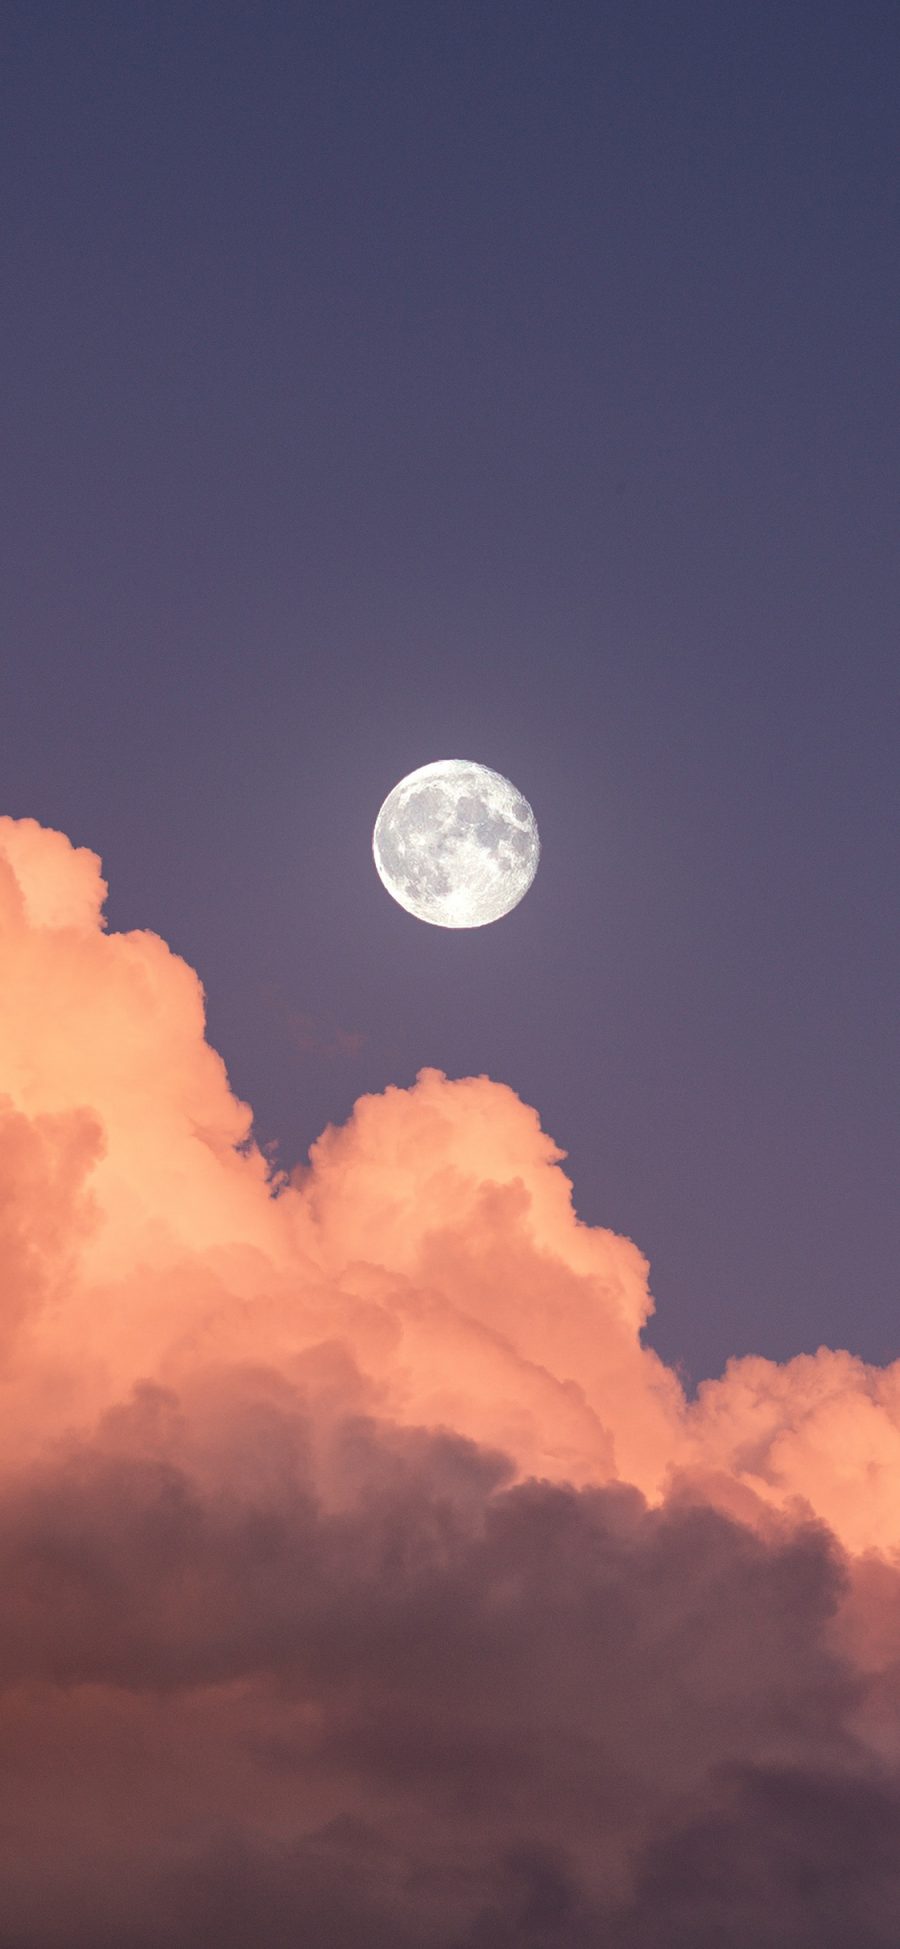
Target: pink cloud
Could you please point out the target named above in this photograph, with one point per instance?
(364, 1578)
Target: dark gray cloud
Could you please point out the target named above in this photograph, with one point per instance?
(427, 1705)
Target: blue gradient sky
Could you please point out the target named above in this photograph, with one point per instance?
(383, 384)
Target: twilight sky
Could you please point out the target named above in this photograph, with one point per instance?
(377, 1568)
(513, 382)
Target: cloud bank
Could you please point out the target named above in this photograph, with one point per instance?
(364, 1579)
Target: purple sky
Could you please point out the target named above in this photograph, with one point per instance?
(389, 383)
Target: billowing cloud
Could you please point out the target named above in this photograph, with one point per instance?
(364, 1578)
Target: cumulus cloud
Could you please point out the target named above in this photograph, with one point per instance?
(364, 1578)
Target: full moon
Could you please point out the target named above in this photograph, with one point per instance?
(456, 844)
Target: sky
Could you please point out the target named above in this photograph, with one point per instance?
(459, 1512)
(386, 385)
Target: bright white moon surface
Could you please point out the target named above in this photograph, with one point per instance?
(456, 844)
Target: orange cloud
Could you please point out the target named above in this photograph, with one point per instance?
(361, 1569)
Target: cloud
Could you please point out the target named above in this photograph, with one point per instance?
(311, 1036)
(364, 1578)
